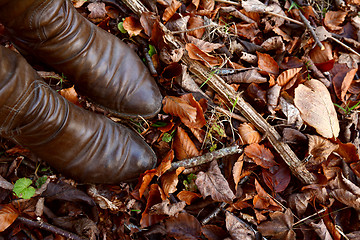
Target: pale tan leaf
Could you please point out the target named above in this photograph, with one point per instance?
(179, 107)
(132, 26)
(237, 228)
(184, 147)
(207, 4)
(286, 76)
(97, 10)
(237, 169)
(249, 76)
(197, 54)
(248, 134)
(253, 6)
(273, 95)
(78, 3)
(204, 45)
(333, 19)
(167, 208)
(342, 82)
(321, 230)
(320, 148)
(170, 11)
(213, 183)
(316, 108)
(273, 43)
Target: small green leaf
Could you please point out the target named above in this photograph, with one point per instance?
(159, 124)
(40, 181)
(152, 50)
(22, 188)
(121, 27)
(167, 137)
(135, 210)
(213, 148)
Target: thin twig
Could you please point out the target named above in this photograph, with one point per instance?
(344, 45)
(304, 219)
(213, 214)
(285, 17)
(50, 228)
(208, 157)
(231, 114)
(229, 2)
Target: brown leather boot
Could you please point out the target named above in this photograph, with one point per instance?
(102, 67)
(81, 144)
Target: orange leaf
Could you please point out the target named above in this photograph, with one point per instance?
(248, 31)
(195, 22)
(286, 76)
(200, 121)
(321, 56)
(260, 155)
(154, 198)
(267, 64)
(8, 214)
(342, 81)
(188, 196)
(70, 94)
(170, 10)
(132, 26)
(263, 200)
(248, 134)
(183, 146)
(169, 181)
(237, 170)
(179, 107)
(195, 53)
(146, 179)
(333, 19)
(165, 163)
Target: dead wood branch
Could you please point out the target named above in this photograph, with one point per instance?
(50, 228)
(208, 157)
(226, 91)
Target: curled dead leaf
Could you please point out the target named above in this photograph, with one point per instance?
(286, 76)
(333, 19)
(280, 226)
(267, 64)
(250, 76)
(188, 196)
(248, 134)
(237, 228)
(197, 54)
(8, 214)
(195, 22)
(170, 10)
(132, 26)
(70, 94)
(316, 108)
(183, 227)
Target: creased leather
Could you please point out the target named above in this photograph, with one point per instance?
(102, 67)
(80, 144)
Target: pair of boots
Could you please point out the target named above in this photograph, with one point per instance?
(80, 144)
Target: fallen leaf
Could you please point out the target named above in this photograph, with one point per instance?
(267, 64)
(171, 10)
(167, 208)
(207, 4)
(237, 169)
(299, 202)
(253, 6)
(280, 226)
(102, 201)
(147, 21)
(78, 3)
(321, 230)
(197, 54)
(183, 227)
(263, 200)
(273, 95)
(320, 148)
(199, 121)
(212, 183)
(204, 45)
(286, 76)
(148, 219)
(291, 112)
(277, 178)
(273, 43)
(248, 134)
(260, 155)
(183, 146)
(132, 26)
(145, 180)
(342, 81)
(97, 10)
(169, 181)
(8, 215)
(179, 107)
(195, 22)
(249, 76)
(316, 108)
(248, 31)
(70, 94)
(323, 59)
(333, 19)
(213, 232)
(188, 196)
(165, 163)
(237, 228)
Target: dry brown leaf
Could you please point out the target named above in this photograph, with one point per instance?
(248, 134)
(188, 196)
(197, 54)
(316, 108)
(146, 179)
(132, 26)
(253, 6)
(171, 10)
(179, 107)
(321, 230)
(333, 19)
(170, 180)
(261, 155)
(204, 45)
(212, 183)
(323, 59)
(263, 200)
(8, 214)
(277, 178)
(213, 232)
(165, 163)
(199, 121)
(300, 202)
(273, 43)
(267, 64)
(207, 4)
(249, 76)
(184, 147)
(320, 148)
(237, 169)
(102, 201)
(167, 208)
(97, 10)
(70, 94)
(273, 95)
(248, 31)
(195, 22)
(183, 227)
(286, 76)
(342, 82)
(237, 228)
(78, 3)
(280, 226)
(148, 219)
(147, 21)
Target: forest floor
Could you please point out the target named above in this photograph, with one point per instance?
(258, 137)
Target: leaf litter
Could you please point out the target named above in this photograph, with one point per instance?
(295, 63)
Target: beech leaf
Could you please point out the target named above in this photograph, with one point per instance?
(8, 214)
(213, 183)
(183, 227)
(333, 19)
(197, 54)
(286, 76)
(237, 228)
(184, 147)
(248, 134)
(170, 10)
(267, 63)
(188, 196)
(132, 26)
(195, 22)
(179, 107)
(316, 108)
(280, 226)
(260, 155)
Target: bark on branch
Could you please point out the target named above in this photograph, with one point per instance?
(225, 90)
